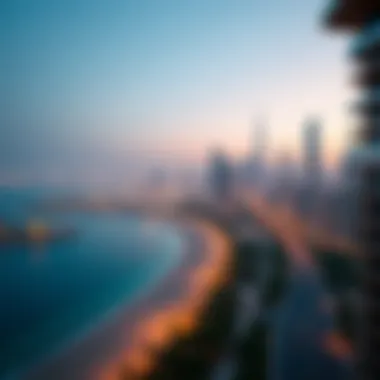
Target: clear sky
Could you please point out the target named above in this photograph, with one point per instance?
(96, 87)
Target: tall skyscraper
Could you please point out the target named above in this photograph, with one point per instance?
(312, 152)
(220, 176)
(283, 178)
(311, 180)
(363, 18)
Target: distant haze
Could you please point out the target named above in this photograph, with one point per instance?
(104, 90)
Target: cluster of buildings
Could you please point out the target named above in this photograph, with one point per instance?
(359, 179)
(348, 203)
(249, 173)
(304, 185)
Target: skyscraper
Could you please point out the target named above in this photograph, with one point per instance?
(284, 178)
(311, 183)
(220, 176)
(363, 18)
(312, 153)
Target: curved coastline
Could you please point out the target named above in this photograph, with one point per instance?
(169, 263)
(130, 339)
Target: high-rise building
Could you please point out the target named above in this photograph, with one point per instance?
(220, 176)
(363, 18)
(284, 178)
(311, 182)
(312, 151)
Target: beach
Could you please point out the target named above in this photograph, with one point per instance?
(130, 341)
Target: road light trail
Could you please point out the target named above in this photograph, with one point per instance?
(297, 350)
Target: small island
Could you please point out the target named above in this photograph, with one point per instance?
(33, 232)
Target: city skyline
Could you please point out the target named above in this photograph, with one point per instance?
(188, 190)
(121, 84)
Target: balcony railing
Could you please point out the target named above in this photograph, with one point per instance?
(367, 39)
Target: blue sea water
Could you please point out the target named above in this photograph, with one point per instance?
(51, 294)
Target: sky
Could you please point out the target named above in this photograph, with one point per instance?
(97, 89)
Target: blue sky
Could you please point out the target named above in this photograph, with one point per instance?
(96, 87)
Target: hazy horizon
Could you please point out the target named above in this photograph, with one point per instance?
(97, 90)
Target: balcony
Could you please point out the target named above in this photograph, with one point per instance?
(367, 43)
(350, 14)
(369, 75)
(369, 105)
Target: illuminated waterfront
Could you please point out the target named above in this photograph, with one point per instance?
(54, 293)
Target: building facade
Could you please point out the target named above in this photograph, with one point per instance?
(362, 18)
(311, 180)
(312, 151)
(220, 177)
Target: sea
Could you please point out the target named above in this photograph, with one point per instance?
(53, 293)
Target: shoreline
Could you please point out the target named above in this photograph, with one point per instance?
(106, 318)
(122, 342)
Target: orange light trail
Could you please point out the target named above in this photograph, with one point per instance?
(158, 331)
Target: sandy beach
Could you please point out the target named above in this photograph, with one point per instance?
(129, 342)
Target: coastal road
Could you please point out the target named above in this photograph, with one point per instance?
(300, 327)
(247, 310)
(302, 321)
(248, 305)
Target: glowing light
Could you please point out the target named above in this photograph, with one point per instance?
(158, 331)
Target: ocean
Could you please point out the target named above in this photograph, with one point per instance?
(53, 293)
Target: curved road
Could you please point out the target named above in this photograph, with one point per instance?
(302, 321)
(301, 324)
